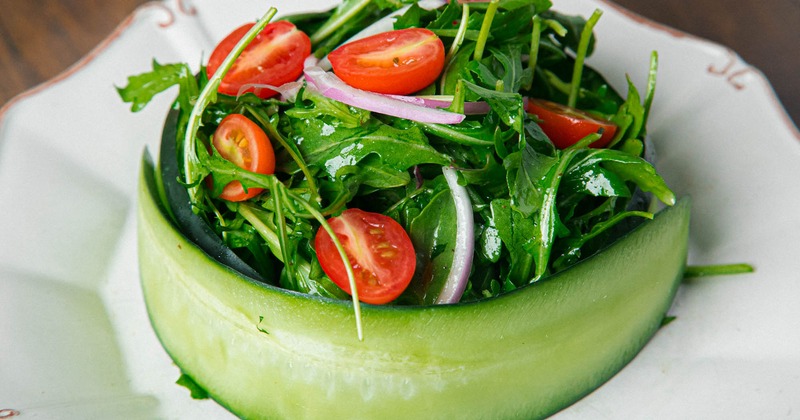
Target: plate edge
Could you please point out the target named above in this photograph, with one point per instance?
(180, 6)
(736, 62)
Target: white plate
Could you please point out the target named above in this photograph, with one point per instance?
(76, 341)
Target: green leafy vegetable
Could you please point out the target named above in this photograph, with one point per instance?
(537, 209)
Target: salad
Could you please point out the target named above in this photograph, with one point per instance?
(408, 154)
(480, 113)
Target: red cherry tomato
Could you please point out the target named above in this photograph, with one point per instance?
(379, 250)
(395, 62)
(565, 126)
(274, 57)
(244, 143)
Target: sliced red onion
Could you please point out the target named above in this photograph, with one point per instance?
(465, 241)
(311, 61)
(288, 91)
(470, 108)
(334, 88)
(419, 180)
(385, 24)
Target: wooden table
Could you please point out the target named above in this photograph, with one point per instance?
(41, 38)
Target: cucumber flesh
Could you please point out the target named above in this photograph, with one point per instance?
(265, 352)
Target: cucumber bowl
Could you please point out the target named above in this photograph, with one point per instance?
(262, 351)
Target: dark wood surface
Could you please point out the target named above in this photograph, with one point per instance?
(41, 38)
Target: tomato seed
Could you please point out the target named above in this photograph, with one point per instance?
(389, 254)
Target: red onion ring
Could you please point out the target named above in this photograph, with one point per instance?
(334, 88)
(464, 248)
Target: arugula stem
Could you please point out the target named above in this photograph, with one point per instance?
(251, 214)
(583, 47)
(404, 200)
(585, 142)
(345, 12)
(281, 222)
(208, 95)
(483, 36)
(716, 270)
(533, 55)
(454, 47)
(459, 38)
(445, 132)
(651, 85)
(556, 26)
(556, 83)
(217, 214)
(457, 105)
(347, 265)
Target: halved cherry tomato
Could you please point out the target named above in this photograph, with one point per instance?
(565, 126)
(395, 62)
(379, 250)
(244, 143)
(274, 57)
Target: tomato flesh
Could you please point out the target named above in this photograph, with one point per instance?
(396, 62)
(566, 126)
(379, 251)
(244, 143)
(274, 57)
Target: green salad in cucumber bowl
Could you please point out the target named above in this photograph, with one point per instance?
(402, 209)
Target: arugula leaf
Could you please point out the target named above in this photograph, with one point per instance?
(513, 5)
(504, 71)
(630, 118)
(331, 148)
(141, 88)
(574, 245)
(457, 69)
(341, 114)
(588, 176)
(526, 171)
(603, 172)
(508, 105)
(448, 18)
(195, 390)
(639, 171)
(517, 233)
(412, 18)
(433, 234)
(574, 25)
(371, 172)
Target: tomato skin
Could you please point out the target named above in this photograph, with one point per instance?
(244, 143)
(397, 62)
(274, 57)
(565, 126)
(379, 250)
